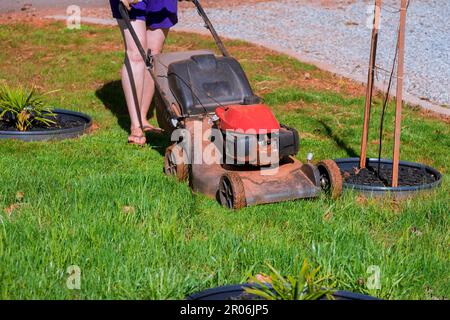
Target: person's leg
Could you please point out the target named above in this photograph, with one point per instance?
(133, 75)
(155, 42)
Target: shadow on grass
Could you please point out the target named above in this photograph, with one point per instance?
(111, 94)
(339, 142)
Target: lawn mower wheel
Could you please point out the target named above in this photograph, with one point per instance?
(175, 163)
(330, 178)
(231, 191)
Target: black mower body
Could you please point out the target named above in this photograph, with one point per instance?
(203, 82)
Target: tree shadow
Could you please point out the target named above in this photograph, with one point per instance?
(112, 96)
(339, 142)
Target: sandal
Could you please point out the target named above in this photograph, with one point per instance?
(153, 129)
(136, 137)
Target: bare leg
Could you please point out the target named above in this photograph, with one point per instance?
(133, 75)
(155, 42)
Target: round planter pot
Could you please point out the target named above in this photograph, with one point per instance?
(237, 292)
(81, 124)
(413, 177)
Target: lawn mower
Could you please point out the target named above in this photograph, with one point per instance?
(227, 144)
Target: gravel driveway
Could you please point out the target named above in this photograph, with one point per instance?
(338, 36)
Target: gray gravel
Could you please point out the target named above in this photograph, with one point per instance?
(340, 37)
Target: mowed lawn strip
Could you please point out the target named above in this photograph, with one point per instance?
(100, 204)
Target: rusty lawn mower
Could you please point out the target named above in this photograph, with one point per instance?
(226, 143)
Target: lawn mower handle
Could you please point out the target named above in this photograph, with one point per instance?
(210, 27)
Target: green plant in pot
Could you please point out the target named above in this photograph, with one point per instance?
(24, 108)
(306, 285)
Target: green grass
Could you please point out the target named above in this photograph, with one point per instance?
(107, 207)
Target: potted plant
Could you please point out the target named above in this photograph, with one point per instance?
(306, 285)
(24, 115)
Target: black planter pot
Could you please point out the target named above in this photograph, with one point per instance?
(237, 292)
(84, 122)
(434, 178)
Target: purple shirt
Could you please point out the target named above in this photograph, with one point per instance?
(159, 14)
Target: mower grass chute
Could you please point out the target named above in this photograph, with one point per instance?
(226, 143)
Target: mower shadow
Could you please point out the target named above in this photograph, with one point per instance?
(112, 97)
(339, 142)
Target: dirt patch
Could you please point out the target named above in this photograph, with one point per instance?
(34, 17)
(434, 115)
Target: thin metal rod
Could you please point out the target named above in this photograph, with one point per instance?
(211, 29)
(370, 83)
(399, 102)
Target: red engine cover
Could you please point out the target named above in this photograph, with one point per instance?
(256, 117)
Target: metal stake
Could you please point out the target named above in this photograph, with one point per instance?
(399, 100)
(370, 82)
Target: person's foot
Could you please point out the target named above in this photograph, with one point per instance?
(137, 137)
(150, 128)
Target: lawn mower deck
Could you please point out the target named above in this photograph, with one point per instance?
(226, 144)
